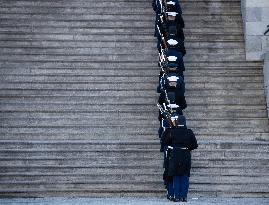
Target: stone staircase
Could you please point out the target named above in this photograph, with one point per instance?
(77, 99)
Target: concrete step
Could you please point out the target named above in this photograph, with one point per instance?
(37, 78)
(132, 64)
(143, 177)
(48, 45)
(207, 19)
(31, 88)
(145, 71)
(147, 135)
(122, 22)
(63, 29)
(111, 57)
(130, 152)
(142, 144)
(107, 51)
(240, 123)
(120, 185)
(117, 103)
(78, 4)
(99, 130)
(113, 113)
(138, 9)
(196, 171)
(199, 36)
(135, 108)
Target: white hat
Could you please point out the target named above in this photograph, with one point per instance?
(172, 42)
(173, 78)
(174, 118)
(172, 58)
(173, 106)
(171, 13)
(171, 3)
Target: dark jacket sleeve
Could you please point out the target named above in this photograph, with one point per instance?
(180, 33)
(161, 98)
(160, 116)
(178, 8)
(193, 142)
(180, 21)
(154, 6)
(180, 87)
(181, 101)
(166, 137)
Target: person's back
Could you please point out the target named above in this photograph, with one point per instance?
(174, 42)
(182, 141)
(183, 137)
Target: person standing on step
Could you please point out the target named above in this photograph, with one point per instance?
(181, 141)
(157, 6)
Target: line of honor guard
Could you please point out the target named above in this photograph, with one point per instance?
(176, 139)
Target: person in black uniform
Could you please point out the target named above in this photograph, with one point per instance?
(158, 8)
(174, 42)
(171, 81)
(171, 59)
(175, 57)
(164, 124)
(172, 98)
(181, 141)
(168, 20)
(174, 6)
(174, 25)
(171, 89)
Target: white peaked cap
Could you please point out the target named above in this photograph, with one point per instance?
(173, 106)
(172, 58)
(174, 118)
(171, 13)
(173, 78)
(171, 3)
(172, 42)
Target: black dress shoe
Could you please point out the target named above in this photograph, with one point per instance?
(176, 200)
(170, 198)
(184, 199)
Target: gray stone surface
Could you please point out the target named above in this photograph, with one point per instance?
(253, 44)
(78, 103)
(255, 18)
(254, 14)
(133, 201)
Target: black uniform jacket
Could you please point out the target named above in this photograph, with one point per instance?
(174, 97)
(180, 159)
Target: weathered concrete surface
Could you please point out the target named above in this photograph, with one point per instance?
(133, 201)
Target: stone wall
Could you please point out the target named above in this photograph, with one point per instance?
(255, 20)
(256, 17)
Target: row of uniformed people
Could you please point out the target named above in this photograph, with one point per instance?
(176, 139)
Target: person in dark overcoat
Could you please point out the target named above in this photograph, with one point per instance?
(174, 6)
(173, 42)
(182, 141)
(174, 56)
(171, 89)
(172, 81)
(157, 7)
(172, 97)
